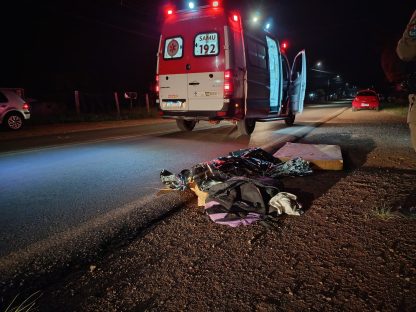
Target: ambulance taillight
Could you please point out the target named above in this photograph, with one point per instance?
(228, 84)
(157, 85)
(169, 10)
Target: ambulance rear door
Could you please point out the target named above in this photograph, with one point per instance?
(275, 70)
(191, 61)
(173, 79)
(206, 72)
(298, 82)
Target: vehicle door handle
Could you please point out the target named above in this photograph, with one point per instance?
(4, 105)
(194, 83)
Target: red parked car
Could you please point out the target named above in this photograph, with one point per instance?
(366, 99)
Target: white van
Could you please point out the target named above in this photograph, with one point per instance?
(211, 67)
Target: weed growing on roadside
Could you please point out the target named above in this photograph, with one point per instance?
(26, 305)
(383, 212)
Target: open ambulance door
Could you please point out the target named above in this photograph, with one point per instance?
(275, 73)
(298, 82)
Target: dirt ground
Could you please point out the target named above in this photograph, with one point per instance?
(354, 249)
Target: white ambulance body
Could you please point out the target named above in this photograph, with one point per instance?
(211, 68)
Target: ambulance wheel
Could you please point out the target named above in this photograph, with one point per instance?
(185, 125)
(290, 119)
(246, 126)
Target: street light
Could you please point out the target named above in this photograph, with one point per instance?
(255, 19)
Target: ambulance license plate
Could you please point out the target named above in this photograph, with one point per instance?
(175, 104)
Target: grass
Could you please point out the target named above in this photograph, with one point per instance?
(383, 212)
(27, 305)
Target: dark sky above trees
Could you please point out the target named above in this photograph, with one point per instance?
(50, 46)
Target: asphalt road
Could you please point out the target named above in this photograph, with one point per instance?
(52, 183)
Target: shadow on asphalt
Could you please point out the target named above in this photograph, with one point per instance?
(214, 134)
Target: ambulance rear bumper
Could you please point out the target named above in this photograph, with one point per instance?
(199, 115)
(228, 112)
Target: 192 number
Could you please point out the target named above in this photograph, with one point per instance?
(207, 49)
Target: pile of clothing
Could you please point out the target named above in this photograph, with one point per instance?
(241, 188)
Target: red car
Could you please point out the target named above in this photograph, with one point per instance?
(366, 99)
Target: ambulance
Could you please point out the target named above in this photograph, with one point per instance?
(213, 66)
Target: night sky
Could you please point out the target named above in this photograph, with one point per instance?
(101, 45)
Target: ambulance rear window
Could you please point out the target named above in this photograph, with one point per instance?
(206, 44)
(173, 48)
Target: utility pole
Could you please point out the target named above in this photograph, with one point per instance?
(117, 104)
(77, 104)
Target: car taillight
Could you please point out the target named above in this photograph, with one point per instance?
(25, 106)
(228, 84)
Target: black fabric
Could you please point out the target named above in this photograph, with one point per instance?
(256, 153)
(251, 163)
(239, 195)
(239, 185)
